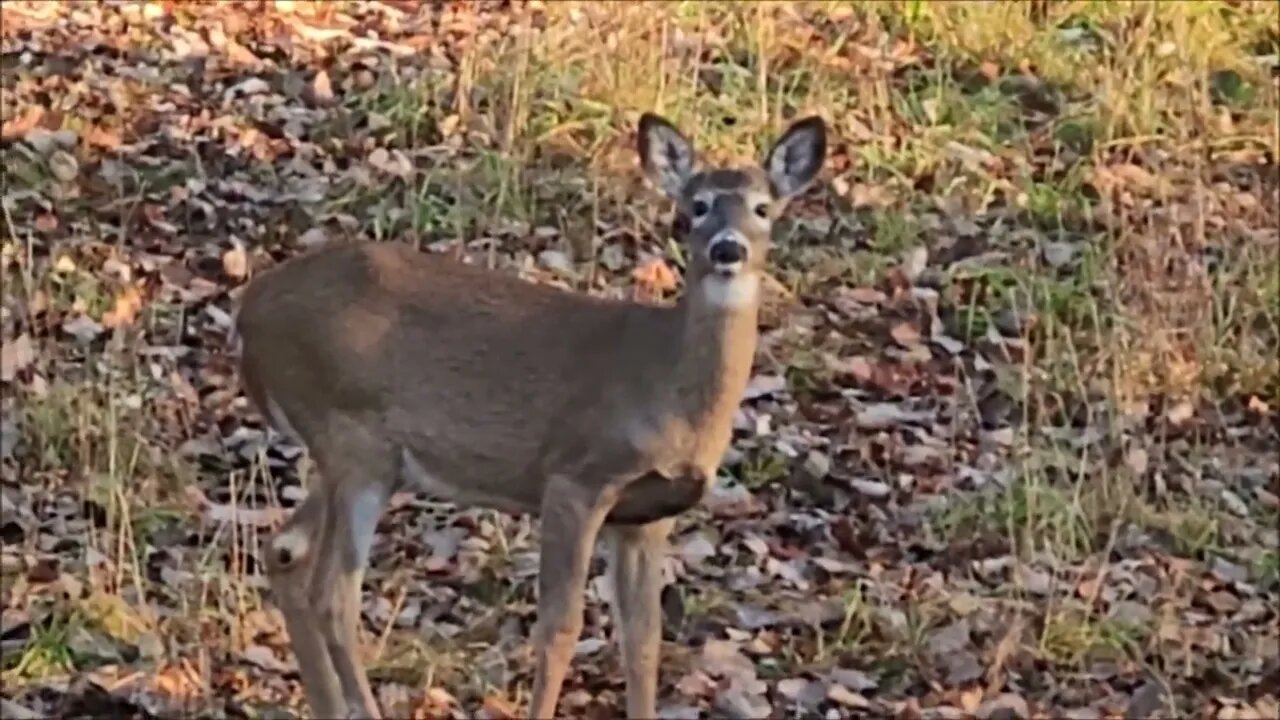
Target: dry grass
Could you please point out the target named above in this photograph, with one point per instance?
(1099, 175)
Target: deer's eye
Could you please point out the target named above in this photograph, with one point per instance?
(762, 211)
(700, 208)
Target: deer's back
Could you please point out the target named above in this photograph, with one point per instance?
(467, 368)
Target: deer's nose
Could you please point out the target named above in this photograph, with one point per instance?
(727, 252)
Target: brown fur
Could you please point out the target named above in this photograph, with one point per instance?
(395, 366)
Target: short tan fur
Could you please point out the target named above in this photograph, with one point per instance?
(405, 370)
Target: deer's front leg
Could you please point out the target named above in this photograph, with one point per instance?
(571, 519)
(636, 555)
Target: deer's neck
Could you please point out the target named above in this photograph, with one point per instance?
(718, 339)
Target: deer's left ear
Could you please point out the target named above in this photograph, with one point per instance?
(795, 159)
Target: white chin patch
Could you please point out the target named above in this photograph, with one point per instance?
(727, 270)
(731, 291)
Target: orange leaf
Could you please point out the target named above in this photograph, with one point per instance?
(235, 262)
(176, 681)
(126, 308)
(655, 276)
(498, 708)
(15, 127)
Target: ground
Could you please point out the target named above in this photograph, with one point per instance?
(1010, 444)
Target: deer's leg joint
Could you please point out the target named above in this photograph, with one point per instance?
(288, 549)
(655, 496)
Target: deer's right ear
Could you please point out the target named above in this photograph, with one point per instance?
(665, 154)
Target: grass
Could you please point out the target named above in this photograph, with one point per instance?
(1121, 130)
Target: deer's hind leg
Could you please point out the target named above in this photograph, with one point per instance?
(317, 562)
(291, 563)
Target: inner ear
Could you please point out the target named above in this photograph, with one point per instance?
(796, 158)
(666, 154)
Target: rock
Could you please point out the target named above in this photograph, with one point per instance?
(557, 262)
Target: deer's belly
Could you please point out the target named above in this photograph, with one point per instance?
(440, 487)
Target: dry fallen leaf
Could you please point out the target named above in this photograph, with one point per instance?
(1181, 412)
(16, 126)
(15, 356)
(125, 309)
(865, 295)
(322, 89)
(905, 334)
(971, 698)
(498, 708)
(64, 166)
(103, 137)
(235, 262)
(654, 276)
(46, 222)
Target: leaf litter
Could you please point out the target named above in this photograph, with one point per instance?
(873, 547)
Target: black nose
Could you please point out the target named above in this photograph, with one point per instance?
(727, 252)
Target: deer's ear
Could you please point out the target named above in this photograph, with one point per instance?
(665, 154)
(795, 159)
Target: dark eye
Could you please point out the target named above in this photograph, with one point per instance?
(762, 211)
(700, 208)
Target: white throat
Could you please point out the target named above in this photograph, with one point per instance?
(731, 292)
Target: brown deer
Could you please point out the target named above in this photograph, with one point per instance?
(403, 370)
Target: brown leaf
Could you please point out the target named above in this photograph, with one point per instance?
(44, 570)
(858, 366)
(241, 55)
(46, 222)
(178, 681)
(101, 137)
(905, 334)
(696, 684)
(844, 696)
(865, 295)
(15, 356)
(498, 708)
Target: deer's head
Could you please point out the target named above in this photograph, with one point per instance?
(726, 215)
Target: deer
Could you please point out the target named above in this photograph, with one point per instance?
(407, 371)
